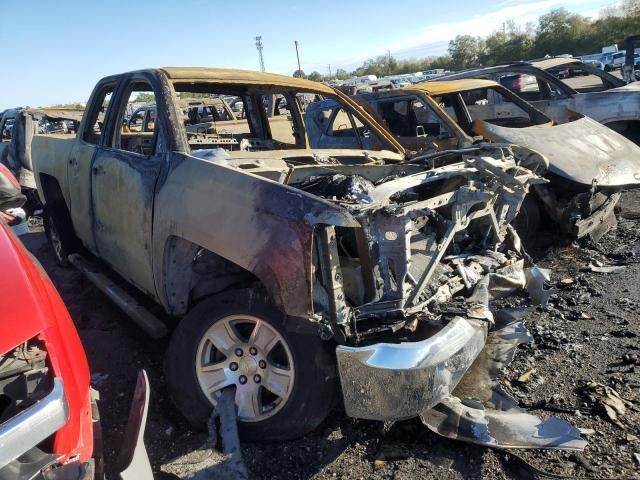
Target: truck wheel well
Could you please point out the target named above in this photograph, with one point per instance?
(628, 128)
(51, 189)
(193, 273)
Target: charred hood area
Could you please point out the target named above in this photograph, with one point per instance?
(424, 237)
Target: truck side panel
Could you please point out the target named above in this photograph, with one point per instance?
(262, 226)
(50, 155)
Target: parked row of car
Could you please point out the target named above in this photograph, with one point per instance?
(300, 244)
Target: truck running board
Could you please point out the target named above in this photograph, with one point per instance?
(151, 324)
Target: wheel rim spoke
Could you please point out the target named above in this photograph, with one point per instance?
(215, 377)
(278, 381)
(263, 338)
(248, 401)
(224, 337)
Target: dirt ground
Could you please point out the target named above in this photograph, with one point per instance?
(588, 332)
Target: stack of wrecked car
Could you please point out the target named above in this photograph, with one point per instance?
(289, 268)
(589, 164)
(608, 100)
(18, 127)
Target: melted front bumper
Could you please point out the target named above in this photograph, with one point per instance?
(398, 381)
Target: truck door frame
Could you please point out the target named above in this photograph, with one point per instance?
(80, 164)
(123, 185)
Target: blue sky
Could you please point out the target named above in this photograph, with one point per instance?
(54, 51)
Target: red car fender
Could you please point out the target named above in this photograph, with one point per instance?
(32, 307)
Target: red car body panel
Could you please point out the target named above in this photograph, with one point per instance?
(31, 307)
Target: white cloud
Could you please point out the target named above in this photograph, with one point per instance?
(481, 25)
(434, 39)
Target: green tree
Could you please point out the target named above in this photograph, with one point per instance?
(342, 74)
(465, 51)
(192, 95)
(555, 33)
(560, 31)
(299, 74)
(315, 76)
(630, 8)
(146, 97)
(508, 45)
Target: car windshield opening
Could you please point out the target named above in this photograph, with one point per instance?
(498, 107)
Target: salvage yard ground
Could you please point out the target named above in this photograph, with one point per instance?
(588, 332)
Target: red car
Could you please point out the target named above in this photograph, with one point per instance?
(48, 415)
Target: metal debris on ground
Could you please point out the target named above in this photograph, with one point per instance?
(609, 400)
(480, 411)
(526, 376)
(219, 458)
(606, 268)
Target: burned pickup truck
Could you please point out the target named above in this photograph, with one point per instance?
(589, 164)
(284, 268)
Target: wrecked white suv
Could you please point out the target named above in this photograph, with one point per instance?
(285, 269)
(603, 97)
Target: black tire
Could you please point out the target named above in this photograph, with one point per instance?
(59, 232)
(314, 385)
(527, 222)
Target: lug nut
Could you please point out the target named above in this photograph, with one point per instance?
(253, 350)
(256, 378)
(233, 366)
(239, 352)
(262, 364)
(242, 379)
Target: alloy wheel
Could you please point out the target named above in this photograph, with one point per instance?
(246, 352)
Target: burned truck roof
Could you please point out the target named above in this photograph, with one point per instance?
(232, 76)
(450, 86)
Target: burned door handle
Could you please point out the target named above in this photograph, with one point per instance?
(73, 161)
(99, 170)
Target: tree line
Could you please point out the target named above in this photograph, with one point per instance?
(555, 33)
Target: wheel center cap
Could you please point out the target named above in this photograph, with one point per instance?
(247, 366)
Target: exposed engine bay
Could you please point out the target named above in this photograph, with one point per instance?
(24, 379)
(425, 237)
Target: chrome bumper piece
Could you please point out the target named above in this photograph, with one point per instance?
(33, 425)
(600, 221)
(399, 381)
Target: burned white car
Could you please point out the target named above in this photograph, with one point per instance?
(286, 268)
(606, 98)
(589, 164)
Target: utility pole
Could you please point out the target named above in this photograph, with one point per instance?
(388, 62)
(297, 56)
(330, 72)
(259, 47)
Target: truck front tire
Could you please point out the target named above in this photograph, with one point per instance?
(284, 382)
(527, 222)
